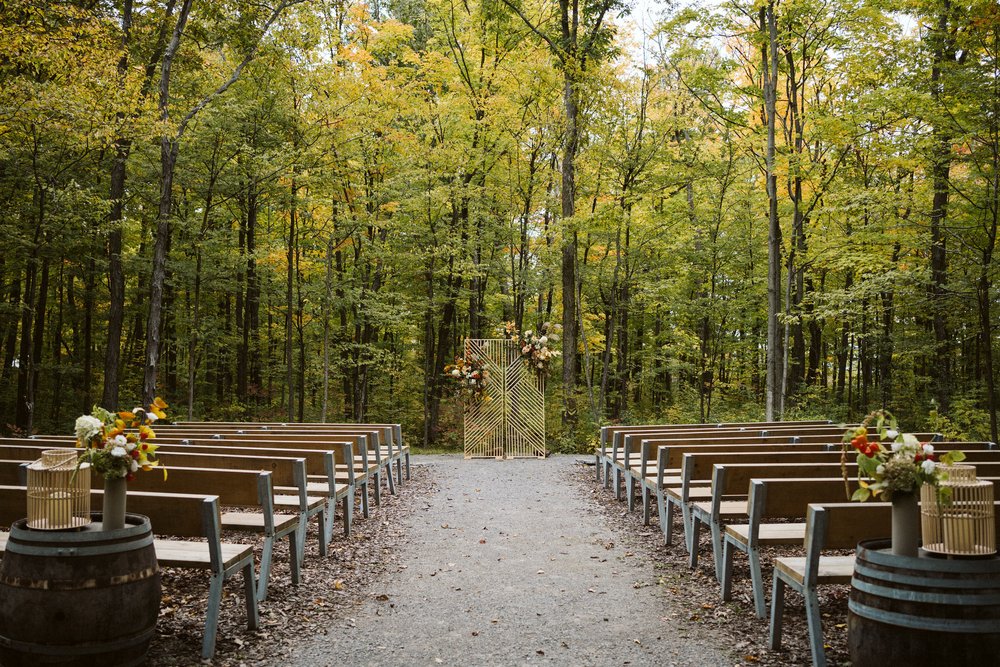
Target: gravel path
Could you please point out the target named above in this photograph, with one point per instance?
(507, 563)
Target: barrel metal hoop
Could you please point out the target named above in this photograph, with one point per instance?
(928, 597)
(875, 556)
(79, 584)
(80, 649)
(981, 626)
(16, 547)
(862, 568)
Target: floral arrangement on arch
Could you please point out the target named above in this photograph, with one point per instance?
(468, 376)
(118, 445)
(900, 463)
(534, 345)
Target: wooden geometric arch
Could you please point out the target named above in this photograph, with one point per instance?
(509, 421)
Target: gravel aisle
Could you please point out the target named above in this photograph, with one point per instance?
(507, 564)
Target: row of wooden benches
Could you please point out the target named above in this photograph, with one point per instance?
(757, 491)
(260, 469)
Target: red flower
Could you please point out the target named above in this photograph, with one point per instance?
(129, 477)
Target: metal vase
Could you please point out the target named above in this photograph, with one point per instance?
(113, 512)
(905, 524)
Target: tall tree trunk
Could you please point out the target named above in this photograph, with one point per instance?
(289, 305)
(943, 55)
(774, 384)
(169, 147)
(569, 248)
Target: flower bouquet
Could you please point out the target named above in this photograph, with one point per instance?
(118, 445)
(890, 462)
(469, 377)
(895, 470)
(535, 350)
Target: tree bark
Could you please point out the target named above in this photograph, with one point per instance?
(774, 382)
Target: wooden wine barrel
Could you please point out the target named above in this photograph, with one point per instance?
(78, 597)
(922, 611)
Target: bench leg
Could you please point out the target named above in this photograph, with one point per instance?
(267, 553)
(727, 570)
(293, 562)
(607, 473)
(695, 534)
(717, 549)
(777, 612)
(212, 614)
(686, 519)
(300, 547)
(645, 505)
(666, 518)
(815, 624)
(630, 491)
(348, 512)
(619, 491)
(597, 467)
(331, 517)
(407, 465)
(389, 478)
(378, 488)
(324, 536)
(364, 498)
(253, 618)
(757, 582)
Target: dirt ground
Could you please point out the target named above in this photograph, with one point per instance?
(500, 563)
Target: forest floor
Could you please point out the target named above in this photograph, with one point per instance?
(495, 563)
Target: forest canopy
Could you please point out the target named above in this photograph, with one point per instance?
(299, 209)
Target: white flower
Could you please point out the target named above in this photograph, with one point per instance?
(928, 466)
(527, 334)
(456, 372)
(133, 465)
(928, 449)
(151, 417)
(87, 427)
(118, 451)
(543, 340)
(896, 446)
(119, 441)
(130, 446)
(891, 434)
(880, 470)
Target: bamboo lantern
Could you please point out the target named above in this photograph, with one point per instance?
(58, 491)
(962, 525)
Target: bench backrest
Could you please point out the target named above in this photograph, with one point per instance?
(731, 477)
(609, 432)
(317, 462)
(173, 514)
(389, 432)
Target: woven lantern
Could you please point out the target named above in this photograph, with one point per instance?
(58, 491)
(962, 525)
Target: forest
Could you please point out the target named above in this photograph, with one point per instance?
(299, 209)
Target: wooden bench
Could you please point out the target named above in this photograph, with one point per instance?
(320, 468)
(829, 526)
(177, 515)
(731, 478)
(637, 448)
(666, 471)
(678, 491)
(367, 462)
(392, 433)
(608, 434)
(341, 460)
(615, 437)
(241, 488)
(642, 456)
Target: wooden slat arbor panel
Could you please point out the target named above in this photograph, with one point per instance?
(510, 420)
